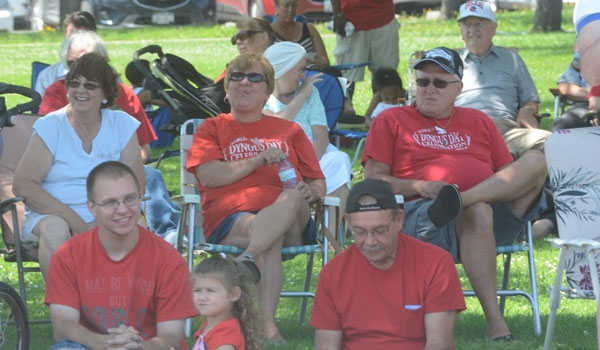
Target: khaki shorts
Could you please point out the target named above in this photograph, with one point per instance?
(379, 45)
(520, 140)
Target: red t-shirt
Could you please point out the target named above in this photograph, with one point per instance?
(368, 14)
(150, 284)
(417, 148)
(385, 309)
(223, 138)
(55, 98)
(228, 331)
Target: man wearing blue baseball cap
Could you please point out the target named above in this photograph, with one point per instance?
(464, 191)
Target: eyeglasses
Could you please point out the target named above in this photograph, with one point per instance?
(252, 77)
(474, 24)
(113, 204)
(88, 85)
(243, 35)
(437, 83)
(379, 231)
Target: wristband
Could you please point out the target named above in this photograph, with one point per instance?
(595, 91)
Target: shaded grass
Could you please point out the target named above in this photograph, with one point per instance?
(547, 55)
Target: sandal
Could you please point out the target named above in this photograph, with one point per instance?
(446, 206)
(247, 261)
(277, 339)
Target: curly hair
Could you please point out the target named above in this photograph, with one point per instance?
(232, 274)
(386, 77)
(96, 68)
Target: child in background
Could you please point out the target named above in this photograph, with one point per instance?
(136, 79)
(223, 296)
(387, 92)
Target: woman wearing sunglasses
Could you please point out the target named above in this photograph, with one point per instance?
(235, 158)
(66, 145)
(305, 34)
(254, 35)
(295, 98)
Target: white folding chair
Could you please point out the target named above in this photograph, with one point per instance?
(574, 173)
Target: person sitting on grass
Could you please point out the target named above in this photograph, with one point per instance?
(118, 285)
(464, 191)
(224, 296)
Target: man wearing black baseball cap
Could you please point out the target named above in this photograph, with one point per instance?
(387, 290)
(459, 179)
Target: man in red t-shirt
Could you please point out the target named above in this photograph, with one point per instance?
(118, 285)
(412, 287)
(430, 151)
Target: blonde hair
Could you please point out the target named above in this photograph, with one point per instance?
(245, 61)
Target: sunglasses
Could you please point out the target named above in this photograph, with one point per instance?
(437, 83)
(243, 35)
(252, 77)
(88, 85)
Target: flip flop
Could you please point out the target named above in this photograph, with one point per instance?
(247, 261)
(446, 206)
(504, 339)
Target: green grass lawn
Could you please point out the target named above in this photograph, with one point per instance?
(208, 48)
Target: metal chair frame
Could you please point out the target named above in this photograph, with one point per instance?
(190, 225)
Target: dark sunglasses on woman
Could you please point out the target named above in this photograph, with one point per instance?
(243, 35)
(252, 77)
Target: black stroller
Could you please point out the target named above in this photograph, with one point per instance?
(188, 94)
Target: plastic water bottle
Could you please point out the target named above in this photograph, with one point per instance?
(287, 174)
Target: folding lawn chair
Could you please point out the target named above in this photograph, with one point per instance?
(15, 137)
(36, 69)
(190, 224)
(575, 182)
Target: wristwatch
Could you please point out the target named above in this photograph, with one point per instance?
(339, 15)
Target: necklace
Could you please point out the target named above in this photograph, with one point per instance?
(442, 129)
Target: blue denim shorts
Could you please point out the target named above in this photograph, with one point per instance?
(310, 232)
(67, 344)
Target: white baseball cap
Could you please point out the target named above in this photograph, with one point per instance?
(480, 9)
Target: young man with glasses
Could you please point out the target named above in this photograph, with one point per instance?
(412, 287)
(496, 81)
(457, 174)
(118, 285)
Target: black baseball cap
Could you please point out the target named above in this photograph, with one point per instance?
(381, 190)
(444, 57)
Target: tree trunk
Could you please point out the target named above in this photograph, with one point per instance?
(548, 15)
(449, 8)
